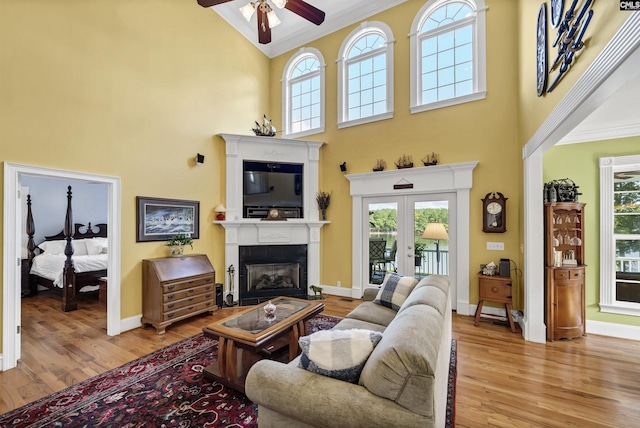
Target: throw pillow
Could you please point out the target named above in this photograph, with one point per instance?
(394, 290)
(340, 354)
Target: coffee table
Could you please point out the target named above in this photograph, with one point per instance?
(251, 335)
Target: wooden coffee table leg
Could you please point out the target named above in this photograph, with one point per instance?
(222, 357)
(231, 361)
(297, 330)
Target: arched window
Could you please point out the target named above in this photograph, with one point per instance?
(303, 94)
(365, 75)
(447, 54)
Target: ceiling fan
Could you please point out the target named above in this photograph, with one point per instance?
(267, 18)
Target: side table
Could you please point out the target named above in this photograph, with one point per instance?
(495, 289)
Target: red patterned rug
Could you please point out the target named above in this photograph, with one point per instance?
(162, 389)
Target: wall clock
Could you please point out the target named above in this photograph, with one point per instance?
(494, 215)
(541, 56)
(557, 7)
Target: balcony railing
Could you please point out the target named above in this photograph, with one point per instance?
(428, 263)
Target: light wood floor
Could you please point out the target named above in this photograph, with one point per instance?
(502, 380)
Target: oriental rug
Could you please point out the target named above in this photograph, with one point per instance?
(162, 389)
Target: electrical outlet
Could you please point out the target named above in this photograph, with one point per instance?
(495, 246)
(339, 284)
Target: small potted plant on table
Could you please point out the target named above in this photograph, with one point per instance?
(176, 244)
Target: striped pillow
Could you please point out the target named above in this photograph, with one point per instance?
(395, 290)
(340, 354)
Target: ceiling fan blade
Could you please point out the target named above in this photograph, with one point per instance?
(264, 32)
(209, 3)
(306, 11)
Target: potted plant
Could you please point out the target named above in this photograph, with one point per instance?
(176, 244)
(419, 248)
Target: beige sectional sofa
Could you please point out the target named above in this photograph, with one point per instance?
(403, 382)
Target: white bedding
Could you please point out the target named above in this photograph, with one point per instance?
(50, 266)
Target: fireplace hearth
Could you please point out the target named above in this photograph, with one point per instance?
(268, 271)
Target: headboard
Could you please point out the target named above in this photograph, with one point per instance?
(89, 232)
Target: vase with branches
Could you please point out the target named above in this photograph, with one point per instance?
(323, 199)
(177, 242)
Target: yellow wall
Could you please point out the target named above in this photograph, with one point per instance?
(484, 130)
(132, 89)
(580, 163)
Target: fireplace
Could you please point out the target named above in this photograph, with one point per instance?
(267, 271)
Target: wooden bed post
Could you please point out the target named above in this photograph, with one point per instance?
(69, 302)
(31, 246)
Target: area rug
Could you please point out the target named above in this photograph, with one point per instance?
(162, 389)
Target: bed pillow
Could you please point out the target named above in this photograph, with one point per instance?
(394, 290)
(96, 246)
(340, 354)
(79, 247)
(53, 248)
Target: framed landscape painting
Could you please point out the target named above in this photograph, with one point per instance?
(159, 219)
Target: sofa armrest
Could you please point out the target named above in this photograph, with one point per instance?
(322, 401)
(370, 294)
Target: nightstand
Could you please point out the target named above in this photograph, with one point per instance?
(495, 289)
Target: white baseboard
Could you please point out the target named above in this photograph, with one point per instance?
(621, 331)
(131, 323)
(338, 291)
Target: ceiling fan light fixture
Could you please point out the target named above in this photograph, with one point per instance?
(279, 3)
(273, 19)
(248, 10)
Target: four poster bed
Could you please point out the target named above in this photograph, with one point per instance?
(72, 260)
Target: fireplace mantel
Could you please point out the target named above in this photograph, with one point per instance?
(242, 231)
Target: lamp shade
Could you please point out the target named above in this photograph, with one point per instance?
(220, 209)
(435, 231)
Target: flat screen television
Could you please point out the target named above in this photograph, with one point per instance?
(272, 185)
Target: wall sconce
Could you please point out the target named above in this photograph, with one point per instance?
(221, 210)
(199, 159)
(343, 166)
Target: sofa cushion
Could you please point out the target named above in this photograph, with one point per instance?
(373, 313)
(402, 367)
(339, 354)
(351, 323)
(432, 296)
(395, 290)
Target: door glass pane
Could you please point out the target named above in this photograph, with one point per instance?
(431, 238)
(626, 206)
(383, 244)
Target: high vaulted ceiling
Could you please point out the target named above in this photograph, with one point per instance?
(295, 31)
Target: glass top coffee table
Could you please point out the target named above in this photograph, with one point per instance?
(252, 335)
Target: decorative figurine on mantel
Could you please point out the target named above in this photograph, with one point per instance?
(380, 165)
(431, 159)
(266, 129)
(404, 161)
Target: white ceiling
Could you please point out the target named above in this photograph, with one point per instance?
(295, 31)
(618, 117)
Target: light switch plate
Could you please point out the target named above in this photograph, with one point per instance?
(495, 246)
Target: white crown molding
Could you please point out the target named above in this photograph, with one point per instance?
(296, 32)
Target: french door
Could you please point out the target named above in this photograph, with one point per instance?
(396, 224)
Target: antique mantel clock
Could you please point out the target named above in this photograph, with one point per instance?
(494, 216)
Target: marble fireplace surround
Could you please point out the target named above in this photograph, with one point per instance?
(242, 231)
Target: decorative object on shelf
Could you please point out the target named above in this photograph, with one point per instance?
(542, 65)
(430, 159)
(199, 159)
(404, 161)
(266, 16)
(229, 297)
(176, 244)
(563, 190)
(221, 210)
(436, 232)
(571, 31)
(488, 269)
(274, 214)
(266, 129)
(343, 167)
(494, 216)
(270, 308)
(159, 219)
(380, 165)
(323, 199)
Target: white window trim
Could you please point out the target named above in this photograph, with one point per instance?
(286, 94)
(365, 27)
(608, 302)
(479, 57)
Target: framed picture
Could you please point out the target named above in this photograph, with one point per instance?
(159, 219)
